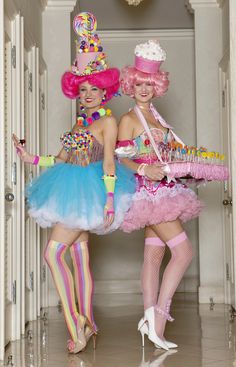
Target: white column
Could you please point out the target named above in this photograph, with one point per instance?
(57, 55)
(208, 53)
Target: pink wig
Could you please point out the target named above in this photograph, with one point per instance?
(130, 76)
(107, 79)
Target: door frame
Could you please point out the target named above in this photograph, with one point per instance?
(232, 32)
(229, 271)
(2, 184)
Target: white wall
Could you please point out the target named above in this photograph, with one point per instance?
(150, 14)
(225, 26)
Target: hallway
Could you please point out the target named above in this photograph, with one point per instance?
(205, 337)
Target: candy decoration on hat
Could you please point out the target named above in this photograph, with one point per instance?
(84, 24)
(90, 63)
(90, 57)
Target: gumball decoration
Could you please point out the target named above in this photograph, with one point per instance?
(85, 24)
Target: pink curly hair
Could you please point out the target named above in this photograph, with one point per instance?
(130, 76)
(107, 79)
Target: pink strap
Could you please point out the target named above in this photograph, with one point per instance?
(175, 241)
(154, 241)
(164, 123)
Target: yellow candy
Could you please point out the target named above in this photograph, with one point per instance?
(222, 157)
(96, 49)
(204, 155)
(108, 112)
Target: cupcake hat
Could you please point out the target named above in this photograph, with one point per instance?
(149, 56)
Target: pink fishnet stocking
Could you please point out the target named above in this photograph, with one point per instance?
(153, 256)
(181, 256)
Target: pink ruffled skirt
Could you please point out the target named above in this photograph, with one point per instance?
(158, 202)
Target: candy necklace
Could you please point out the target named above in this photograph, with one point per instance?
(84, 120)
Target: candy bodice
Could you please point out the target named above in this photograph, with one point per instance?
(144, 148)
(82, 147)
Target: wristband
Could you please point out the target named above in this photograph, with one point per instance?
(36, 160)
(44, 161)
(141, 169)
(109, 182)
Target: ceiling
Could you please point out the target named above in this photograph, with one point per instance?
(150, 14)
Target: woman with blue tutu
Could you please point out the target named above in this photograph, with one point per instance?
(83, 190)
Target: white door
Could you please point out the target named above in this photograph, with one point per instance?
(43, 280)
(227, 188)
(10, 180)
(12, 175)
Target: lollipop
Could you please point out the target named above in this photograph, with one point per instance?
(85, 24)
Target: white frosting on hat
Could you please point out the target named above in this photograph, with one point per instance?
(150, 50)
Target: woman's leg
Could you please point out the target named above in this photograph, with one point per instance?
(83, 277)
(181, 255)
(61, 238)
(154, 250)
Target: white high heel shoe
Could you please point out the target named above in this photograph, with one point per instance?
(143, 328)
(149, 317)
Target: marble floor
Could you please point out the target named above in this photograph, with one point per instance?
(206, 337)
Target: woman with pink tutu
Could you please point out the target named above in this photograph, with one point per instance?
(160, 205)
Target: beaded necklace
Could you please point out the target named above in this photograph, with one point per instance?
(84, 120)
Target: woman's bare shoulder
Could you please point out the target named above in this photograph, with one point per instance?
(128, 118)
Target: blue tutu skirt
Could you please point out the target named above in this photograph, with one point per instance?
(75, 196)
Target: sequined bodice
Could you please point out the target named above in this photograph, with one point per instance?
(82, 147)
(145, 151)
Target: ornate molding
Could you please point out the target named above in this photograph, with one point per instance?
(163, 34)
(66, 5)
(194, 4)
(43, 4)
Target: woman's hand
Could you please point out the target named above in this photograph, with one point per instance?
(154, 172)
(109, 212)
(21, 152)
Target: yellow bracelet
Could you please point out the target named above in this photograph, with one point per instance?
(44, 161)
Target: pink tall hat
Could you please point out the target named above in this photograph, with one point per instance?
(90, 64)
(90, 57)
(149, 56)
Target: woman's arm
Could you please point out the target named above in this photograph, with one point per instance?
(109, 139)
(126, 132)
(37, 160)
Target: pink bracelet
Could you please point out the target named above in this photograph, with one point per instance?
(141, 169)
(36, 160)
